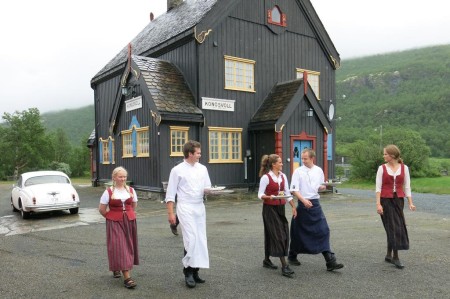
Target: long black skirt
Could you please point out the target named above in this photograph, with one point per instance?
(309, 230)
(394, 223)
(276, 231)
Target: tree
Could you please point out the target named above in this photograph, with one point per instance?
(25, 145)
(367, 155)
(61, 146)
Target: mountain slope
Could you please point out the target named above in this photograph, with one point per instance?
(409, 89)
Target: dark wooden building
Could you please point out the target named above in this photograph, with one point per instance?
(243, 77)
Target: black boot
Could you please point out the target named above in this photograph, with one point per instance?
(189, 277)
(331, 261)
(196, 277)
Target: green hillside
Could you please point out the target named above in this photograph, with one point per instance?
(76, 123)
(408, 89)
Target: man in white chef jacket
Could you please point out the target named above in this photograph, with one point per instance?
(189, 181)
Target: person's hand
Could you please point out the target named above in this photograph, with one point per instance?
(322, 187)
(294, 212)
(307, 203)
(172, 219)
(380, 209)
(412, 207)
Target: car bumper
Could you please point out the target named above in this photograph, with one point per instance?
(51, 207)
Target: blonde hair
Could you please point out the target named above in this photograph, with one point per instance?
(114, 174)
(394, 152)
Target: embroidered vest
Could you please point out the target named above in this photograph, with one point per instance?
(273, 189)
(116, 208)
(387, 185)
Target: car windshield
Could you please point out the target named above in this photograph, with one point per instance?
(46, 179)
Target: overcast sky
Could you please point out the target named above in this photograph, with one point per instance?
(51, 49)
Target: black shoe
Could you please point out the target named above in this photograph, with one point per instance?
(286, 271)
(269, 264)
(333, 265)
(398, 264)
(197, 278)
(388, 259)
(174, 230)
(189, 279)
(294, 262)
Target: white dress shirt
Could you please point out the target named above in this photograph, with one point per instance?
(307, 181)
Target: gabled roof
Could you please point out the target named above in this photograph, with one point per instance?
(167, 86)
(164, 28)
(281, 102)
(180, 21)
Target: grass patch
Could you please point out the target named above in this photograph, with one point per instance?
(437, 185)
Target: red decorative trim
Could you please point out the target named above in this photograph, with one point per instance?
(279, 144)
(282, 16)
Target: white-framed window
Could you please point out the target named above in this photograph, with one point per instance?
(225, 145)
(313, 80)
(142, 142)
(127, 143)
(239, 74)
(178, 137)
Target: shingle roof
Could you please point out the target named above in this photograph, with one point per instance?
(163, 28)
(166, 85)
(276, 102)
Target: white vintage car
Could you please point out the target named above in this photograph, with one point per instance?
(44, 191)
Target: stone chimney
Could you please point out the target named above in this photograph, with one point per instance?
(173, 3)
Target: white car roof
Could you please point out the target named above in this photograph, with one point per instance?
(27, 175)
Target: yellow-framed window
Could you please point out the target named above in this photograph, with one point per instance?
(127, 144)
(239, 74)
(313, 80)
(178, 137)
(225, 145)
(142, 142)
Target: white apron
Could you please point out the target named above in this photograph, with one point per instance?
(193, 226)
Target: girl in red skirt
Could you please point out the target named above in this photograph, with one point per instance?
(117, 205)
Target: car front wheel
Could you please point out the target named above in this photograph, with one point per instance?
(73, 211)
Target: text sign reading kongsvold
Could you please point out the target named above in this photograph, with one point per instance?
(217, 104)
(133, 104)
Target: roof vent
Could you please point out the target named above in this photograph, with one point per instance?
(173, 3)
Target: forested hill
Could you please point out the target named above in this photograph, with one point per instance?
(408, 89)
(76, 123)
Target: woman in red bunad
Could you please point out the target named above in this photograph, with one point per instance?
(118, 204)
(274, 192)
(392, 186)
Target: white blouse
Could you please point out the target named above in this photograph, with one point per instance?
(406, 182)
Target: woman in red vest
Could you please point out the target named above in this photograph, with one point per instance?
(392, 186)
(274, 192)
(118, 204)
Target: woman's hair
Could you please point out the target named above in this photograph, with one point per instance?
(394, 152)
(189, 147)
(114, 174)
(266, 163)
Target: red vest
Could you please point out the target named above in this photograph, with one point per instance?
(116, 208)
(387, 183)
(273, 189)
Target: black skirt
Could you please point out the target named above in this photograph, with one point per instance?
(394, 223)
(276, 231)
(309, 230)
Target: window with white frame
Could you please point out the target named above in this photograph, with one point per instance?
(225, 145)
(142, 142)
(313, 80)
(178, 137)
(239, 74)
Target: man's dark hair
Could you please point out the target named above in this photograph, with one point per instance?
(189, 147)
